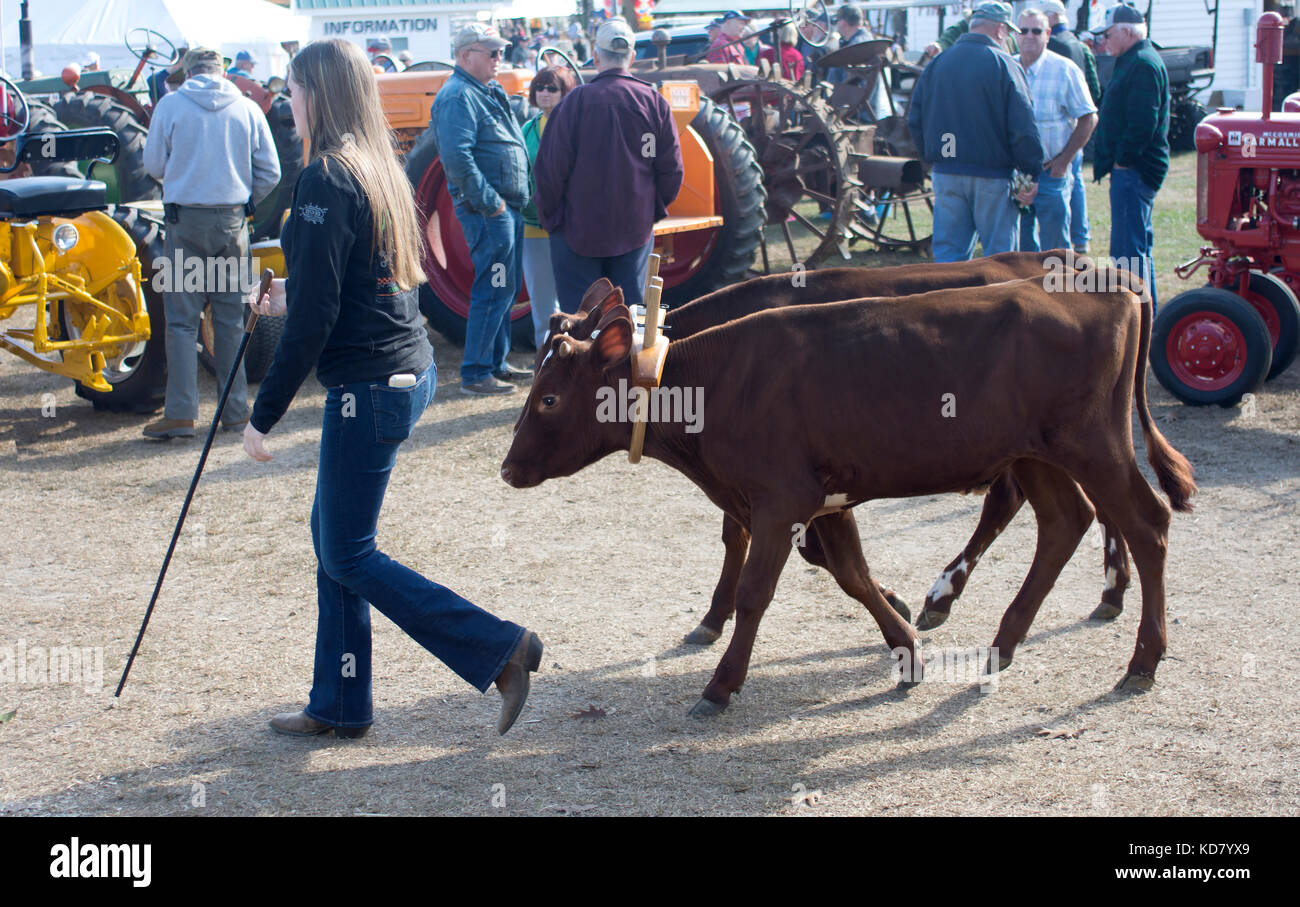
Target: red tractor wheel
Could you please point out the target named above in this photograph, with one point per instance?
(1274, 297)
(1210, 346)
(444, 300)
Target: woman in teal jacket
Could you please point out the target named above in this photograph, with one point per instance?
(548, 88)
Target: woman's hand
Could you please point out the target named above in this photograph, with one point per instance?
(273, 303)
(253, 444)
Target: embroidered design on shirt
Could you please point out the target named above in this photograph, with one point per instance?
(313, 214)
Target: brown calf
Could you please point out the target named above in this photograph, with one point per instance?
(819, 408)
(1004, 497)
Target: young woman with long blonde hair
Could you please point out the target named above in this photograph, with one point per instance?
(352, 245)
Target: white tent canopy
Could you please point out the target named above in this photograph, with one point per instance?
(66, 31)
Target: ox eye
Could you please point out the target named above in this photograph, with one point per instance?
(548, 401)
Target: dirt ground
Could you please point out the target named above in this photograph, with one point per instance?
(612, 567)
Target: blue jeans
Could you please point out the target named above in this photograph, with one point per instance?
(1080, 229)
(363, 426)
(575, 273)
(967, 206)
(1047, 225)
(496, 248)
(1131, 237)
(539, 277)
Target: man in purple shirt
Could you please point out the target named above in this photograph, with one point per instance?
(608, 167)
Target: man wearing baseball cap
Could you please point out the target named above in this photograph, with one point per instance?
(381, 54)
(212, 149)
(244, 65)
(726, 47)
(972, 117)
(1132, 138)
(608, 166)
(486, 162)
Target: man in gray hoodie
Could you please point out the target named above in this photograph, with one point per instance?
(212, 149)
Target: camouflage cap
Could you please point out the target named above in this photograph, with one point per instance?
(201, 56)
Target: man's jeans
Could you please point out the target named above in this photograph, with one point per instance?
(1131, 238)
(1080, 229)
(970, 206)
(539, 278)
(1047, 225)
(574, 273)
(364, 424)
(215, 238)
(496, 248)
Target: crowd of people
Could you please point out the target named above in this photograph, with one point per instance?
(1002, 114)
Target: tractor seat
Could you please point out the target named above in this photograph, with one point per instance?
(32, 196)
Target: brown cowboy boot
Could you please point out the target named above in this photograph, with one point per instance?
(513, 681)
(300, 724)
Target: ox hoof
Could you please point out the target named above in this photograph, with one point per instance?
(900, 606)
(1135, 683)
(930, 619)
(706, 708)
(701, 636)
(1105, 611)
(1004, 662)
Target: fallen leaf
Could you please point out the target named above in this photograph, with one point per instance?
(591, 713)
(7, 715)
(1059, 733)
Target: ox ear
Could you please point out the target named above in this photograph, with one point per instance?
(613, 344)
(612, 309)
(596, 294)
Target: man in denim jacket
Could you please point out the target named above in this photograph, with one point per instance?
(483, 155)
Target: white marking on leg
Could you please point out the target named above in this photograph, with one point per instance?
(835, 500)
(1112, 578)
(1112, 545)
(943, 586)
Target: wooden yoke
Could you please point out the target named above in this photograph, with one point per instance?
(649, 350)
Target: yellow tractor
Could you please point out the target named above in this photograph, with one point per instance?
(74, 296)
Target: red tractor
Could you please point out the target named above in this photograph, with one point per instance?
(1215, 343)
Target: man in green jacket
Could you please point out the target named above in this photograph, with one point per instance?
(1132, 138)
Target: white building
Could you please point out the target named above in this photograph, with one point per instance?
(1173, 23)
(424, 27)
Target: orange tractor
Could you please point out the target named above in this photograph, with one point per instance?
(708, 239)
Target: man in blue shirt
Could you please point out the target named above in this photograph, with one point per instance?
(483, 155)
(972, 118)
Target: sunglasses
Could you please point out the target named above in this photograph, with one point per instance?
(548, 88)
(494, 54)
(1033, 31)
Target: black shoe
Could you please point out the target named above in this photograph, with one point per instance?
(510, 373)
(513, 682)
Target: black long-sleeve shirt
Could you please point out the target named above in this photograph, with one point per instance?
(346, 315)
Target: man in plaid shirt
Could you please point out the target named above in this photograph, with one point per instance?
(1066, 116)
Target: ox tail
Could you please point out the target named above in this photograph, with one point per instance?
(1173, 470)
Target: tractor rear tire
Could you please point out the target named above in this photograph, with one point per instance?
(44, 119)
(288, 148)
(257, 356)
(131, 182)
(738, 179)
(1184, 114)
(1282, 318)
(1210, 346)
(144, 388)
(448, 323)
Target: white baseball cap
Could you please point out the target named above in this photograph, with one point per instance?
(615, 35)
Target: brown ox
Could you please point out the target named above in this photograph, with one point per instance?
(819, 408)
(1004, 497)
